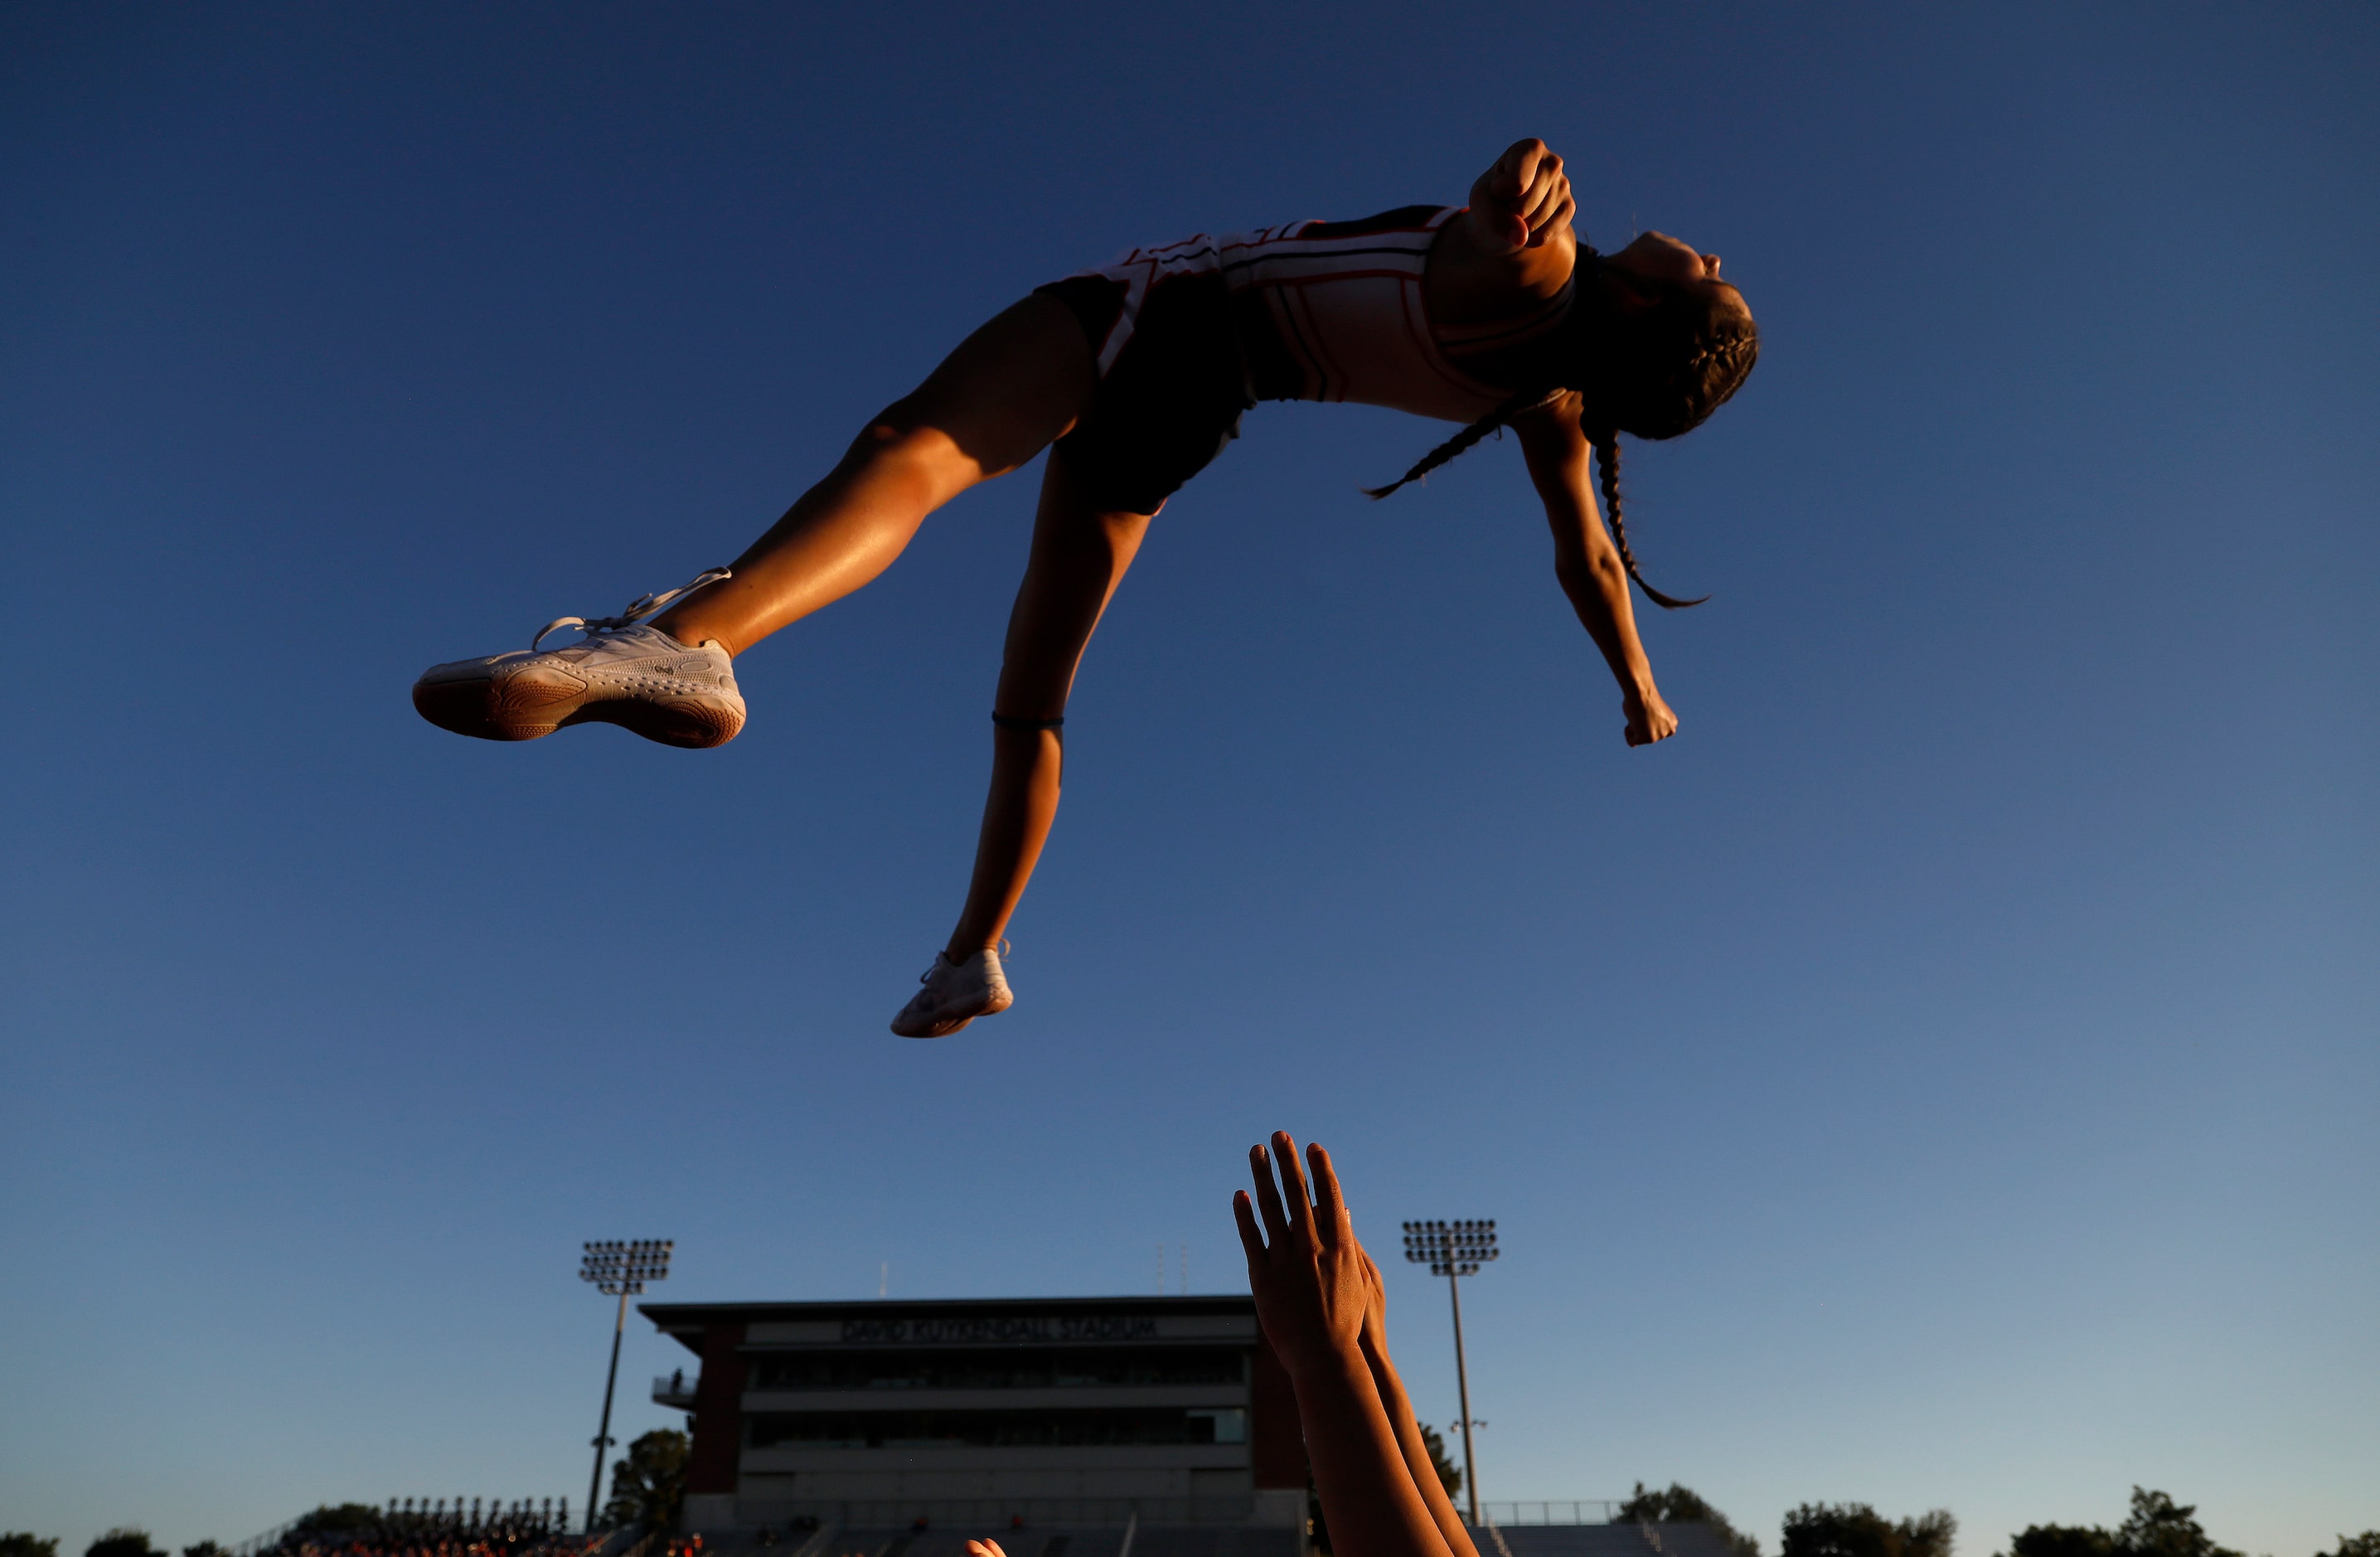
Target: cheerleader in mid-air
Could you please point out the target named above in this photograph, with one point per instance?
(1134, 377)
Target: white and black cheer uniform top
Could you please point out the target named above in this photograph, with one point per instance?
(1191, 334)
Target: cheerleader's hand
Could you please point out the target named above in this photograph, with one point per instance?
(1312, 1280)
(1523, 202)
(1649, 718)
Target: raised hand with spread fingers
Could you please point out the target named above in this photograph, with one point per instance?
(1314, 1289)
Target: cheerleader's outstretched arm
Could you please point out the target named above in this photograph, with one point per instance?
(1588, 564)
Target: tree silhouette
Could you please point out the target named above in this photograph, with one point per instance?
(1854, 1529)
(2062, 1540)
(1681, 1504)
(2157, 1527)
(649, 1481)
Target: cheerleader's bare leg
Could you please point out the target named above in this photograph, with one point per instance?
(1080, 553)
(1081, 550)
(1008, 390)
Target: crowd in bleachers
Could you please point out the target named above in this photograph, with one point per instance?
(426, 1528)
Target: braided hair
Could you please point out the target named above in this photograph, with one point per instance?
(1658, 373)
(1606, 467)
(1494, 422)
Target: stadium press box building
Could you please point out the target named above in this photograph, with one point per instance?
(1086, 1411)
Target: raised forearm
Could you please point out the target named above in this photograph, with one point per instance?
(1361, 1467)
(1418, 1464)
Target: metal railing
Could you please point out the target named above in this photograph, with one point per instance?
(676, 1389)
(973, 1514)
(1557, 1511)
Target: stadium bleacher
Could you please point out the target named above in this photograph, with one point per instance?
(1132, 1539)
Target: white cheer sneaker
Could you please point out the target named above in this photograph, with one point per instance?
(638, 677)
(955, 994)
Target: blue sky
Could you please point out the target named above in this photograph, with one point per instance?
(1941, 1076)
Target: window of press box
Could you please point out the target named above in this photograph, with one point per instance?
(1231, 1424)
(997, 1371)
(995, 1429)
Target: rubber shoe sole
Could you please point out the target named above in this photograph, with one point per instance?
(949, 1025)
(524, 707)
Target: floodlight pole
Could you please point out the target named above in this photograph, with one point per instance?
(1462, 1389)
(1456, 1249)
(603, 1433)
(624, 1268)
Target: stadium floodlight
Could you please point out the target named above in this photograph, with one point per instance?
(621, 1268)
(1456, 1249)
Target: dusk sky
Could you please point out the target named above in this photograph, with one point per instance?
(1943, 1075)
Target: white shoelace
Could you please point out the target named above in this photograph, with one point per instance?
(638, 610)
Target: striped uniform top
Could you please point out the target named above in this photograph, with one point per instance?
(1334, 311)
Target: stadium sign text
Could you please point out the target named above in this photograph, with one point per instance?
(1085, 1327)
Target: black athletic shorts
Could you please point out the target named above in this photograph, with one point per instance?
(1172, 395)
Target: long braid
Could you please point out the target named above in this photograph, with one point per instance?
(1461, 440)
(1607, 463)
